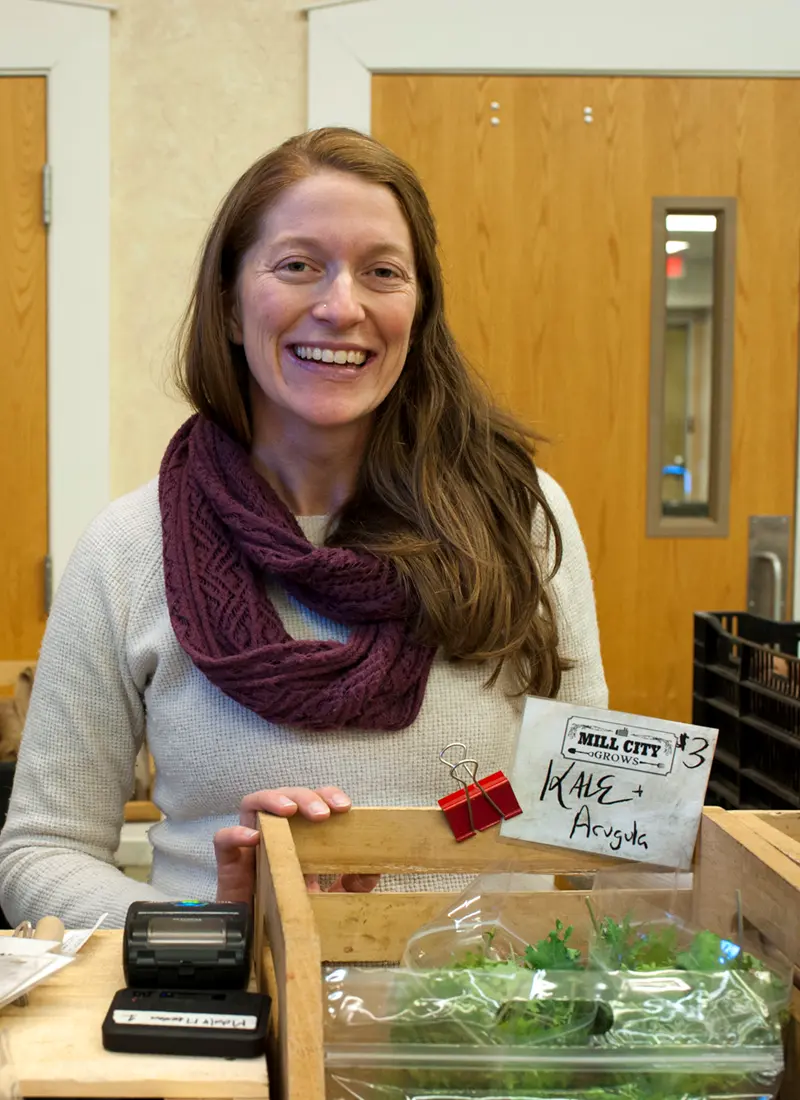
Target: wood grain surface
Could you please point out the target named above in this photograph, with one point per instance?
(56, 1043)
(545, 226)
(23, 367)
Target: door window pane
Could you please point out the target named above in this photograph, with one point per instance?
(691, 366)
(689, 335)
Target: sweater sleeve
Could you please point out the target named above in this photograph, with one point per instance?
(84, 727)
(573, 594)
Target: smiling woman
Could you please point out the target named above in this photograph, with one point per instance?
(323, 307)
(349, 557)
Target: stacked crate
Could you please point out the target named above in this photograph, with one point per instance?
(747, 685)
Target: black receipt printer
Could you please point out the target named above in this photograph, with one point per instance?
(187, 965)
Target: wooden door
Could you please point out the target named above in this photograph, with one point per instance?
(545, 222)
(23, 368)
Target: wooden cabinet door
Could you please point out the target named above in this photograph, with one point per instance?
(23, 368)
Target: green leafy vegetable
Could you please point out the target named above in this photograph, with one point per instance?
(716, 998)
(709, 953)
(640, 950)
(552, 952)
(480, 960)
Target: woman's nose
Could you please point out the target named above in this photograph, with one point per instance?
(339, 303)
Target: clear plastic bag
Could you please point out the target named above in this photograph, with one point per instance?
(505, 1006)
(354, 1088)
(401, 1034)
(678, 983)
(502, 999)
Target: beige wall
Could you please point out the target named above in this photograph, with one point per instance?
(199, 89)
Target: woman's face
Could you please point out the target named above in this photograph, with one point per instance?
(325, 304)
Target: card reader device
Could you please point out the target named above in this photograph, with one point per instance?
(187, 966)
(187, 945)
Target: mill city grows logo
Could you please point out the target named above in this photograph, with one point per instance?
(632, 747)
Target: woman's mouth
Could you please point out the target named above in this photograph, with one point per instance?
(339, 357)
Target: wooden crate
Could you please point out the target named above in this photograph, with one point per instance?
(761, 852)
(296, 931)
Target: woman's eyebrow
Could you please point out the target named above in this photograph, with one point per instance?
(390, 248)
(384, 248)
(290, 240)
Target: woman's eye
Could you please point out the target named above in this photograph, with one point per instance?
(296, 267)
(385, 273)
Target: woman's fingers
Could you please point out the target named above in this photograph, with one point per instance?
(287, 801)
(234, 849)
(235, 846)
(335, 798)
(229, 842)
(354, 884)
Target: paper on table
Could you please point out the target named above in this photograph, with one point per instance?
(26, 962)
(74, 941)
(20, 972)
(15, 945)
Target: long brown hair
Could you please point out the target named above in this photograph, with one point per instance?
(448, 487)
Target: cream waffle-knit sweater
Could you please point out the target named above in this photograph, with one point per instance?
(111, 671)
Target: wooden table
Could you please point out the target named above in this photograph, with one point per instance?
(57, 1048)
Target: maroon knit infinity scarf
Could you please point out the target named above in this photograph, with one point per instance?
(224, 531)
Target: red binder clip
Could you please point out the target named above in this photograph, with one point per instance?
(481, 803)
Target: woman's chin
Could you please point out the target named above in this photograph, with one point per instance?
(335, 416)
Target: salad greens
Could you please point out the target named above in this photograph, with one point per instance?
(619, 945)
(551, 953)
(695, 999)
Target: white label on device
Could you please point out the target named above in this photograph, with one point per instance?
(185, 1019)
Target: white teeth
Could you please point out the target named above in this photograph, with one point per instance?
(328, 355)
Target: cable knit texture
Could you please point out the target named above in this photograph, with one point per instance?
(111, 669)
(224, 529)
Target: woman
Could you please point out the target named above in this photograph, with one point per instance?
(349, 560)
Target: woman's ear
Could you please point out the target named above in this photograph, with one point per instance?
(233, 324)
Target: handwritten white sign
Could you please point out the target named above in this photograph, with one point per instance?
(612, 783)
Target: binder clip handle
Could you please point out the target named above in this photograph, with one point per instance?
(464, 770)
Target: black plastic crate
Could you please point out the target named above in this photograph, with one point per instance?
(6, 783)
(747, 685)
(7, 768)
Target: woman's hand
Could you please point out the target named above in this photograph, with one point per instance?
(235, 847)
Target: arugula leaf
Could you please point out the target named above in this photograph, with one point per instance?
(709, 953)
(630, 948)
(479, 959)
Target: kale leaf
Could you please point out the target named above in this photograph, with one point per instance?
(552, 953)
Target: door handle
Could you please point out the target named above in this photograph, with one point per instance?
(767, 545)
(776, 566)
